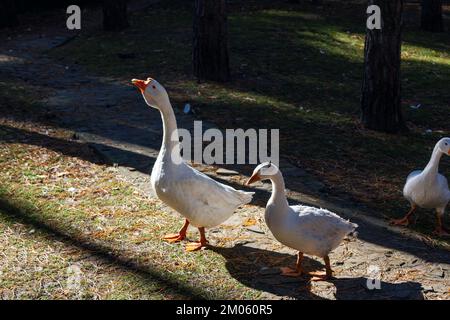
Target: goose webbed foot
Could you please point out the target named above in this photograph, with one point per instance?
(174, 237)
(441, 232)
(406, 220)
(177, 237)
(320, 276)
(289, 272)
(194, 246)
(400, 222)
(297, 272)
(323, 276)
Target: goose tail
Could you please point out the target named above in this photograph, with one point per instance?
(245, 197)
(352, 233)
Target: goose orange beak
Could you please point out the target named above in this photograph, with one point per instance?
(141, 84)
(254, 178)
(449, 152)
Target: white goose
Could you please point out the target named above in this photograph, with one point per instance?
(309, 230)
(428, 189)
(203, 201)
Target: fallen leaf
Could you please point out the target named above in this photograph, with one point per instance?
(249, 222)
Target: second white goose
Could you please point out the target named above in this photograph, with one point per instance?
(307, 229)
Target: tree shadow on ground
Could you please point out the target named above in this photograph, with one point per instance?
(149, 273)
(259, 269)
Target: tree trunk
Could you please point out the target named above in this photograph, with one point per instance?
(115, 15)
(431, 16)
(381, 89)
(8, 14)
(210, 44)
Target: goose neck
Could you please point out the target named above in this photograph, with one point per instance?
(278, 197)
(170, 129)
(432, 167)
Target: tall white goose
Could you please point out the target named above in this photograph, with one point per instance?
(203, 201)
(309, 230)
(428, 189)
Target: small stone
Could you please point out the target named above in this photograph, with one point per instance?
(226, 172)
(255, 229)
(427, 289)
(269, 271)
(72, 190)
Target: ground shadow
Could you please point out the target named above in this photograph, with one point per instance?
(259, 269)
(148, 272)
(357, 289)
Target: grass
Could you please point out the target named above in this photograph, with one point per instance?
(62, 215)
(297, 68)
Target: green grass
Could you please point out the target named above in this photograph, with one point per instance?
(297, 68)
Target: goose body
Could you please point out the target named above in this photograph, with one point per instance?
(203, 201)
(429, 192)
(428, 188)
(309, 230)
(200, 199)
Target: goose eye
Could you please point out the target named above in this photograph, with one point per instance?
(154, 87)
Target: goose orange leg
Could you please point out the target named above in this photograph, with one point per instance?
(288, 272)
(440, 230)
(405, 220)
(194, 246)
(177, 237)
(323, 276)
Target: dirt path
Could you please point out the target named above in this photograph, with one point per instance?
(112, 117)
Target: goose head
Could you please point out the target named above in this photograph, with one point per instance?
(153, 92)
(265, 171)
(444, 146)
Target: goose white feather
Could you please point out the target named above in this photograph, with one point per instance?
(203, 201)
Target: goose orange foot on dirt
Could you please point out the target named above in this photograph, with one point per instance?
(177, 237)
(194, 246)
(289, 272)
(174, 237)
(323, 276)
(298, 271)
